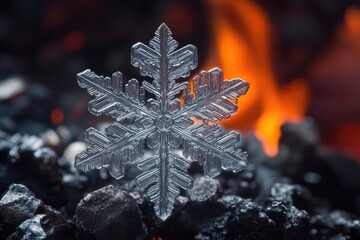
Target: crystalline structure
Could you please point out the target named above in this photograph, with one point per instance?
(159, 135)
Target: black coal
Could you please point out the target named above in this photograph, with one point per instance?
(306, 192)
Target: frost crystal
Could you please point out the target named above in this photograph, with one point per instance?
(150, 134)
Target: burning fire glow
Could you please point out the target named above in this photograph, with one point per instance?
(241, 48)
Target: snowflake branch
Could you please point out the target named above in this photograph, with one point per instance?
(93, 83)
(101, 147)
(211, 97)
(222, 148)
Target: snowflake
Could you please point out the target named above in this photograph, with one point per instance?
(152, 133)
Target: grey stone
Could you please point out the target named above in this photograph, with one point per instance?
(205, 189)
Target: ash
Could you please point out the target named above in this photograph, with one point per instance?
(306, 192)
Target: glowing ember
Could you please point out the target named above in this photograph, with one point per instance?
(73, 41)
(241, 47)
(57, 116)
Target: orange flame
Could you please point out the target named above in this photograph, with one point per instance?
(241, 48)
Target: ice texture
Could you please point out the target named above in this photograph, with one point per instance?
(159, 135)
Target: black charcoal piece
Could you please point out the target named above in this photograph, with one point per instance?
(109, 213)
(18, 204)
(335, 225)
(249, 221)
(50, 226)
(294, 195)
(30, 229)
(297, 226)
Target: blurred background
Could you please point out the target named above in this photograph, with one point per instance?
(301, 58)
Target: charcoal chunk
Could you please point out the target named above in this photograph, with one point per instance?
(277, 211)
(49, 225)
(213, 228)
(109, 213)
(56, 226)
(30, 229)
(27, 217)
(18, 204)
(291, 223)
(294, 195)
(30, 163)
(335, 225)
(297, 226)
(250, 221)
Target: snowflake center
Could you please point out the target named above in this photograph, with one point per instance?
(164, 122)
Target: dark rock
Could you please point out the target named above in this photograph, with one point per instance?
(250, 221)
(230, 202)
(297, 226)
(294, 195)
(49, 226)
(18, 204)
(291, 223)
(298, 141)
(19, 208)
(109, 213)
(284, 208)
(204, 189)
(242, 183)
(304, 160)
(247, 184)
(32, 164)
(253, 146)
(213, 228)
(195, 219)
(335, 225)
(277, 211)
(30, 229)
(196, 213)
(56, 226)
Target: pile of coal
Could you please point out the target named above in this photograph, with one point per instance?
(305, 192)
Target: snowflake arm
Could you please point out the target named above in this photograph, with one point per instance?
(118, 146)
(213, 148)
(110, 97)
(214, 99)
(161, 62)
(163, 179)
(164, 64)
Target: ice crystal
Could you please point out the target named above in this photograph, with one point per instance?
(152, 133)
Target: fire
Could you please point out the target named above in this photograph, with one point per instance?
(241, 48)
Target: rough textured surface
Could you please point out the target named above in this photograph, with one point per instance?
(249, 221)
(30, 163)
(266, 201)
(18, 204)
(335, 225)
(109, 213)
(204, 189)
(30, 229)
(29, 218)
(49, 226)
